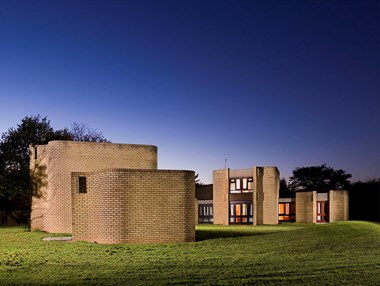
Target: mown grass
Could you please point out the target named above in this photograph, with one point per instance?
(346, 253)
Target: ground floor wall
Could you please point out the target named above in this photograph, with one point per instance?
(134, 206)
(314, 207)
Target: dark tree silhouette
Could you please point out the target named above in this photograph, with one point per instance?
(318, 178)
(15, 190)
(81, 132)
(365, 200)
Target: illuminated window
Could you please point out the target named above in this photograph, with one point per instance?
(82, 185)
(286, 212)
(232, 185)
(241, 185)
(322, 211)
(241, 212)
(238, 186)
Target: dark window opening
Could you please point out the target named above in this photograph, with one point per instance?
(205, 214)
(82, 185)
(286, 212)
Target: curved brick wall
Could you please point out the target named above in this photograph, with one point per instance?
(135, 206)
(51, 210)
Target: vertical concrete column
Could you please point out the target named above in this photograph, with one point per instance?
(338, 205)
(258, 195)
(271, 187)
(220, 195)
(306, 203)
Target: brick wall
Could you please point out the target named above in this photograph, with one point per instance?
(134, 206)
(338, 203)
(264, 197)
(51, 206)
(306, 207)
(220, 196)
(271, 187)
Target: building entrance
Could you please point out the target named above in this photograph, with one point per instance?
(322, 211)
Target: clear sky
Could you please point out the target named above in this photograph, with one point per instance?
(266, 83)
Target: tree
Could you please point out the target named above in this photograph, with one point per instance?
(285, 192)
(318, 178)
(81, 132)
(197, 180)
(14, 155)
(365, 200)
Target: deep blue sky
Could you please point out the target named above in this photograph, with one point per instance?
(283, 83)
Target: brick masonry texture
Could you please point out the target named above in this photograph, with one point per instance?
(306, 206)
(264, 197)
(51, 166)
(338, 205)
(134, 206)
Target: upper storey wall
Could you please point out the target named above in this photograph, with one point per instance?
(52, 209)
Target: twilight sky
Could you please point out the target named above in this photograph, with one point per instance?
(266, 83)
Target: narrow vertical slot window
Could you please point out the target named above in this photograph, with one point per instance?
(82, 185)
(238, 186)
(245, 184)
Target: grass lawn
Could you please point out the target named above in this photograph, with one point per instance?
(346, 253)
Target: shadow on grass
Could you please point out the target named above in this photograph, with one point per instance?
(214, 233)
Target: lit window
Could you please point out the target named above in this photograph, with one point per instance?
(245, 183)
(232, 185)
(241, 185)
(286, 211)
(241, 212)
(238, 187)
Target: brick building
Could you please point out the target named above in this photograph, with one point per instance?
(246, 196)
(110, 193)
(251, 196)
(318, 207)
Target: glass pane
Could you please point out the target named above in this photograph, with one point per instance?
(210, 210)
(232, 209)
(287, 211)
(250, 185)
(206, 210)
(244, 209)
(251, 211)
(244, 219)
(238, 219)
(238, 187)
(281, 208)
(232, 185)
(232, 219)
(319, 208)
(238, 211)
(245, 183)
(250, 219)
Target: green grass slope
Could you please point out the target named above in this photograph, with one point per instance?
(346, 253)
